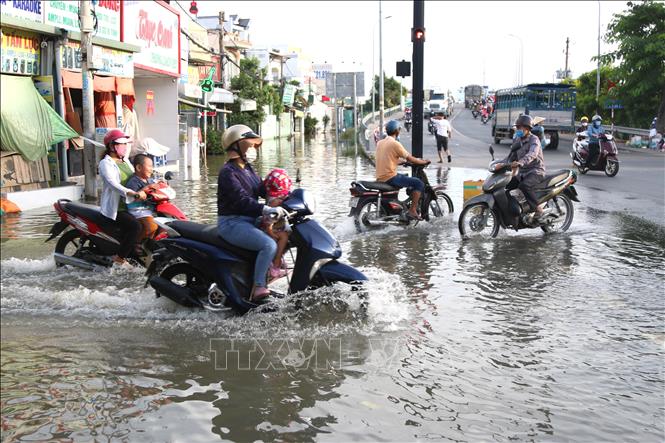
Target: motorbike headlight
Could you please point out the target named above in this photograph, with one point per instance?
(310, 201)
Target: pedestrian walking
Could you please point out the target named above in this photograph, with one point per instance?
(443, 132)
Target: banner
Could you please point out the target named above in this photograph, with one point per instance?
(289, 94)
(65, 14)
(104, 60)
(29, 10)
(154, 27)
(20, 52)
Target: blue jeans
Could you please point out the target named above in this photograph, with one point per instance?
(240, 230)
(404, 181)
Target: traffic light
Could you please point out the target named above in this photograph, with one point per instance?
(418, 34)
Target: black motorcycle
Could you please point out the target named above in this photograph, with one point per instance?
(503, 205)
(407, 123)
(375, 204)
(431, 127)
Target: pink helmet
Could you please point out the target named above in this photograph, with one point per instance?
(277, 183)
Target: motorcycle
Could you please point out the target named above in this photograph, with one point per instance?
(485, 115)
(95, 238)
(475, 111)
(502, 205)
(374, 204)
(607, 157)
(196, 268)
(431, 127)
(407, 123)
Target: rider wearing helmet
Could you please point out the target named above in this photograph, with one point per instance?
(584, 124)
(595, 131)
(388, 153)
(115, 171)
(527, 162)
(238, 190)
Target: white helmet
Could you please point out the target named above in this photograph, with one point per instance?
(236, 133)
(596, 117)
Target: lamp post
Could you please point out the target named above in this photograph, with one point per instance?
(520, 72)
(380, 61)
(598, 66)
(381, 102)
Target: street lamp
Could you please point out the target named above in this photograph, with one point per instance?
(520, 72)
(373, 67)
(381, 104)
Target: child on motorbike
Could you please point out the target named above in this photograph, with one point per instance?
(142, 181)
(278, 187)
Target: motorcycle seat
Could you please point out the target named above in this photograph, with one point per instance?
(552, 179)
(378, 186)
(92, 213)
(209, 234)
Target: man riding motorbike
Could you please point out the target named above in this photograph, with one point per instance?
(388, 153)
(526, 155)
(594, 132)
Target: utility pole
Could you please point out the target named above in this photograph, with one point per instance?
(565, 72)
(355, 107)
(334, 76)
(598, 67)
(381, 104)
(418, 39)
(89, 163)
(221, 47)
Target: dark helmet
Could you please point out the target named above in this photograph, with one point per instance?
(392, 126)
(524, 120)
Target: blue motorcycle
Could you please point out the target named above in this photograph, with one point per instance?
(195, 267)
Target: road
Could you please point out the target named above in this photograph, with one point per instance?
(638, 188)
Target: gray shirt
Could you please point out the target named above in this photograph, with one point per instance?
(528, 153)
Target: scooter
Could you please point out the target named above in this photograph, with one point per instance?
(95, 238)
(407, 123)
(503, 205)
(431, 127)
(374, 204)
(475, 111)
(607, 157)
(485, 115)
(196, 268)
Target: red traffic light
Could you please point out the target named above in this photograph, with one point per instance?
(418, 35)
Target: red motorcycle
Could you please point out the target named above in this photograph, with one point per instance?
(95, 238)
(607, 157)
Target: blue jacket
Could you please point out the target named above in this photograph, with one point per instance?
(594, 132)
(238, 190)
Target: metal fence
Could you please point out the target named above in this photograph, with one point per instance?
(365, 136)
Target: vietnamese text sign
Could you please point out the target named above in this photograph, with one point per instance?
(29, 10)
(155, 28)
(65, 14)
(289, 94)
(105, 60)
(344, 82)
(20, 52)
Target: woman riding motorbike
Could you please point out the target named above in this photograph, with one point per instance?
(238, 190)
(114, 172)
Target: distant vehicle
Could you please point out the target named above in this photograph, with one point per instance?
(438, 102)
(472, 93)
(553, 101)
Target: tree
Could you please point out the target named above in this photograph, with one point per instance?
(249, 84)
(391, 91)
(585, 86)
(639, 34)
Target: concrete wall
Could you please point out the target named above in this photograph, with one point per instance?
(41, 198)
(162, 125)
(269, 127)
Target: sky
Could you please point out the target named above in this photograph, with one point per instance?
(465, 42)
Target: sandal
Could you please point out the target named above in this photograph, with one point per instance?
(259, 293)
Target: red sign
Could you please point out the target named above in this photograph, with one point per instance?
(149, 102)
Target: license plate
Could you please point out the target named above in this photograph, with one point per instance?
(353, 202)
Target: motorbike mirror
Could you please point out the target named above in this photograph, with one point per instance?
(492, 152)
(169, 175)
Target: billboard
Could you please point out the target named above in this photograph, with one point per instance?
(344, 81)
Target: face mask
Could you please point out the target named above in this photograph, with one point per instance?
(121, 150)
(596, 124)
(584, 124)
(519, 133)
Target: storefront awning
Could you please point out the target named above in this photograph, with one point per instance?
(220, 95)
(198, 105)
(74, 80)
(28, 124)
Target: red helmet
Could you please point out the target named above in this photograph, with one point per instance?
(277, 183)
(116, 136)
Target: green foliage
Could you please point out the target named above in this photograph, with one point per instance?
(391, 93)
(585, 85)
(310, 125)
(249, 85)
(214, 142)
(639, 36)
(294, 82)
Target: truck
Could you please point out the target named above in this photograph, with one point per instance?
(555, 102)
(472, 93)
(439, 101)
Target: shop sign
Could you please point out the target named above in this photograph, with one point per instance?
(20, 52)
(44, 84)
(104, 60)
(193, 75)
(29, 10)
(156, 29)
(65, 14)
(289, 94)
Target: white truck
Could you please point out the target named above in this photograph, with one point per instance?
(439, 101)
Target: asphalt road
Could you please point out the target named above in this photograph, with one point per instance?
(638, 188)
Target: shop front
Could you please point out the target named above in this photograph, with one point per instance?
(154, 26)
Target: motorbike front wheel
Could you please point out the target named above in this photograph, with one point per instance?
(611, 168)
(562, 206)
(442, 205)
(365, 214)
(478, 221)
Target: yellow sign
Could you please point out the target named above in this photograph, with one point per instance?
(20, 52)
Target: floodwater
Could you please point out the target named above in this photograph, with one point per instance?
(527, 337)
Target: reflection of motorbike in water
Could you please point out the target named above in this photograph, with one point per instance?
(502, 205)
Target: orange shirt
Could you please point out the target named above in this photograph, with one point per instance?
(388, 153)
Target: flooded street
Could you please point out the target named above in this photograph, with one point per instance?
(529, 336)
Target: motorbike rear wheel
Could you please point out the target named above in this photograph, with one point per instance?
(73, 244)
(186, 276)
(558, 204)
(478, 221)
(365, 214)
(611, 168)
